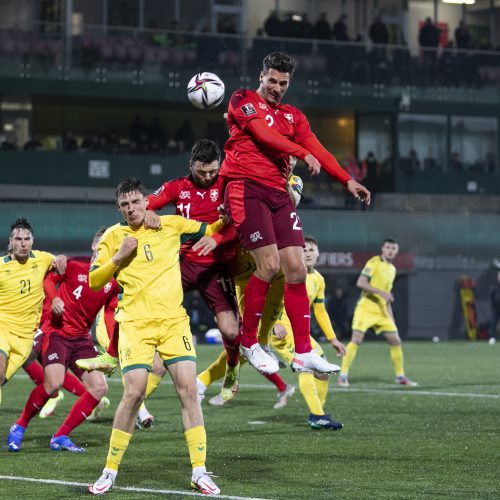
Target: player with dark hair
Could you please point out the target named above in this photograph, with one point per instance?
(22, 272)
(264, 133)
(374, 311)
(66, 339)
(145, 263)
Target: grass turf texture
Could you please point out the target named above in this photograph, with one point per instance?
(439, 440)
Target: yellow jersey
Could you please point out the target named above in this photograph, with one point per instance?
(150, 279)
(381, 275)
(21, 292)
(315, 285)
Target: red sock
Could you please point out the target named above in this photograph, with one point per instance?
(112, 349)
(276, 379)
(36, 400)
(79, 412)
(232, 348)
(35, 371)
(73, 385)
(255, 298)
(298, 311)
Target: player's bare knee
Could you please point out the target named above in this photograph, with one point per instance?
(188, 393)
(133, 397)
(52, 387)
(98, 389)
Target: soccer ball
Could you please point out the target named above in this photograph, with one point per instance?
(205, 90)
(295, 187)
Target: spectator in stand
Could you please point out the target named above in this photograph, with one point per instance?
(378, 31)
(495, 308)
(273, 25)
(158, 137)
(184, 137)
(322, 30)
(463, 39)
(371, 170)
(69, 144)
(428, 38)
(306, 27)
(136, 133)
(456, 164)
(291, 27)
(33, 144)
(90, 142)
(340, 29)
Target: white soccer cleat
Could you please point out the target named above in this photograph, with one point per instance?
(50, 406)
(343, 381)
(201, 481)
(217, 400)
(201, 390)
(144, 418)
(403, 380)
(104, 483)
(97, 411)
(283, 396)
(261, 361)
(313, 362)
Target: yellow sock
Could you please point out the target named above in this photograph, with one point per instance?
(322, 389)
(397, 359)
(153, 383)
(117, 446)
(196, 439)
(308, 390)
(215, 371)
(352, 350)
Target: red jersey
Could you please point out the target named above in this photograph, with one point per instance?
(81, 303)
(247, 159)
(201, 204)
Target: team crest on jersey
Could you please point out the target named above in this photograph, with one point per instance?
(214, 194)
(262, 106)
(248, 109)
(82, 278)
(107, 287)
(158, 191)
(183, 195)
(289, 117)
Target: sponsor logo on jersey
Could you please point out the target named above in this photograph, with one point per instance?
(53, 356)
(254, 237)
(202, 195)
(183, 195)
(289, 117)
(214, 194)
(107, 287)
(248, 109)
(158, 191)
(82, 278)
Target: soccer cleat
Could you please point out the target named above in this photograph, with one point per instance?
(230, 383)
(259, 359)
(403, 380)
(201, 390)
(144, 418)
(283, 396)
(97, 411)
(217, 400)
(104, 483)
(201, 481)
(312, 362)
(15, 439)
(343, 381)
(50, 406)
(104, 363)
(267, 349)
(323, 422)
(64, 443)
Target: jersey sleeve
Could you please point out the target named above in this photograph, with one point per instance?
(103, 268)
(188, 229)
(243, 110)
(367, 271)
(163, 196)
(50, 284)
(302, 127)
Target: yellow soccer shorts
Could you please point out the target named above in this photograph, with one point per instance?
(140, 339)
(16, 349)
(370, 317)
(285, 347)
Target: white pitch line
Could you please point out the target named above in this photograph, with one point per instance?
(400, 391)
(124, 488)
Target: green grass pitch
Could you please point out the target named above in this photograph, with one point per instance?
(438, 440)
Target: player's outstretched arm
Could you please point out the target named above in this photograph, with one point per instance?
(323, 319)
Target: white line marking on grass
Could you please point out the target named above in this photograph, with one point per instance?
(398, 391)
(124, 488)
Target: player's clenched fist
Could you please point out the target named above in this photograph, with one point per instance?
(129, 246)
(312, 164)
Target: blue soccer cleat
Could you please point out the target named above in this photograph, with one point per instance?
(323, 422)
(62, 443)
(15, 439)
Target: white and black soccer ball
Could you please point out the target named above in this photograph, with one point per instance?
(205, 90)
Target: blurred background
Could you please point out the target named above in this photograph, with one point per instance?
(405, 93)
